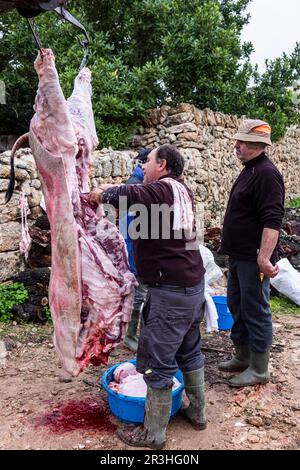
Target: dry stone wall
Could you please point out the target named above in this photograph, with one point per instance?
(203, 137)
(211, 165)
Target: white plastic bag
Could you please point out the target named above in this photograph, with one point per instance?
(287, 281)
(210, 314)
(213, 274)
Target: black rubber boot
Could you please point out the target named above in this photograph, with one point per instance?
(157, 415)
(239, 362)
(256, 373)
(194, 388)
(131, 339)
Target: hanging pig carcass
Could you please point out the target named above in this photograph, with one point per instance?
(91, 286)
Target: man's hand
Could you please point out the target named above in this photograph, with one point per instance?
(96, 195)
(267, 246)
(267, 268)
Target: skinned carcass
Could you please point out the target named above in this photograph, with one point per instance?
(91, 286)
(128, 381)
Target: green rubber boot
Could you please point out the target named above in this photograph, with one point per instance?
(239, 362)
(256, 373)
(131, 339)
(194, 388)
(157, 415)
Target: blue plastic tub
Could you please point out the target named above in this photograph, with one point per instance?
(131, 409)
(225, 320)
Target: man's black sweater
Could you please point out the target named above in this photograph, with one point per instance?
(159, 260)
(256, 202)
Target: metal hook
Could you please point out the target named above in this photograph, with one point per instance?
(33, 28)
(84, 45)
(61, 11)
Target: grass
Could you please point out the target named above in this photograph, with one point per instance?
(283, 306)
(295, 203)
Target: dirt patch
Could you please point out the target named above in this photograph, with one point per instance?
(43, 408)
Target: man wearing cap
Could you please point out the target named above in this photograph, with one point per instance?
(250, 234)
(140, 293)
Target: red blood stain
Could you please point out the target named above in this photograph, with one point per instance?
(72, 415)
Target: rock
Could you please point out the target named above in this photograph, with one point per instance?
(253, 439)
(153, 117)
(255, 421)
(106, 167)
(172, 138)
(10, 211)
(185, 127)
(180, 118)
(183, 144)
(295, 407)
(274, 435)
(136, 141)
(238, 424)
(163, 113)
(36, 184)
(12, 263)
(64, 379)
(189, 136)
(181, 108)
(10, 236)
(116, 171)
(198, 115)
(290, 422)
(277, 326)
(4, 184)
(21, 175)
(209, 117)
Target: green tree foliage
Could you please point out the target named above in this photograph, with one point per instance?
(271, 96)
(146, 53)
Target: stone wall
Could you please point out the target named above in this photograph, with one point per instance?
(211, 167)
(204, 139)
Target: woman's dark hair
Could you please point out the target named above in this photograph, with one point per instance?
(175, 161)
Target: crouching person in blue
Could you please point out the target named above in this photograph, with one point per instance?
(137, 177)
(174, 274)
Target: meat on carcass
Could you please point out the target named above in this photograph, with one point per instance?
(25, 243)
(91, 286)
(129, 382)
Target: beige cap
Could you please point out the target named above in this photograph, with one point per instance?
(254, 130)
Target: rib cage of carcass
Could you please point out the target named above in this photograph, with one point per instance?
(91, 286)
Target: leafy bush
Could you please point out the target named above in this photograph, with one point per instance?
(295, 203)
(11, 295)
(48, 313)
